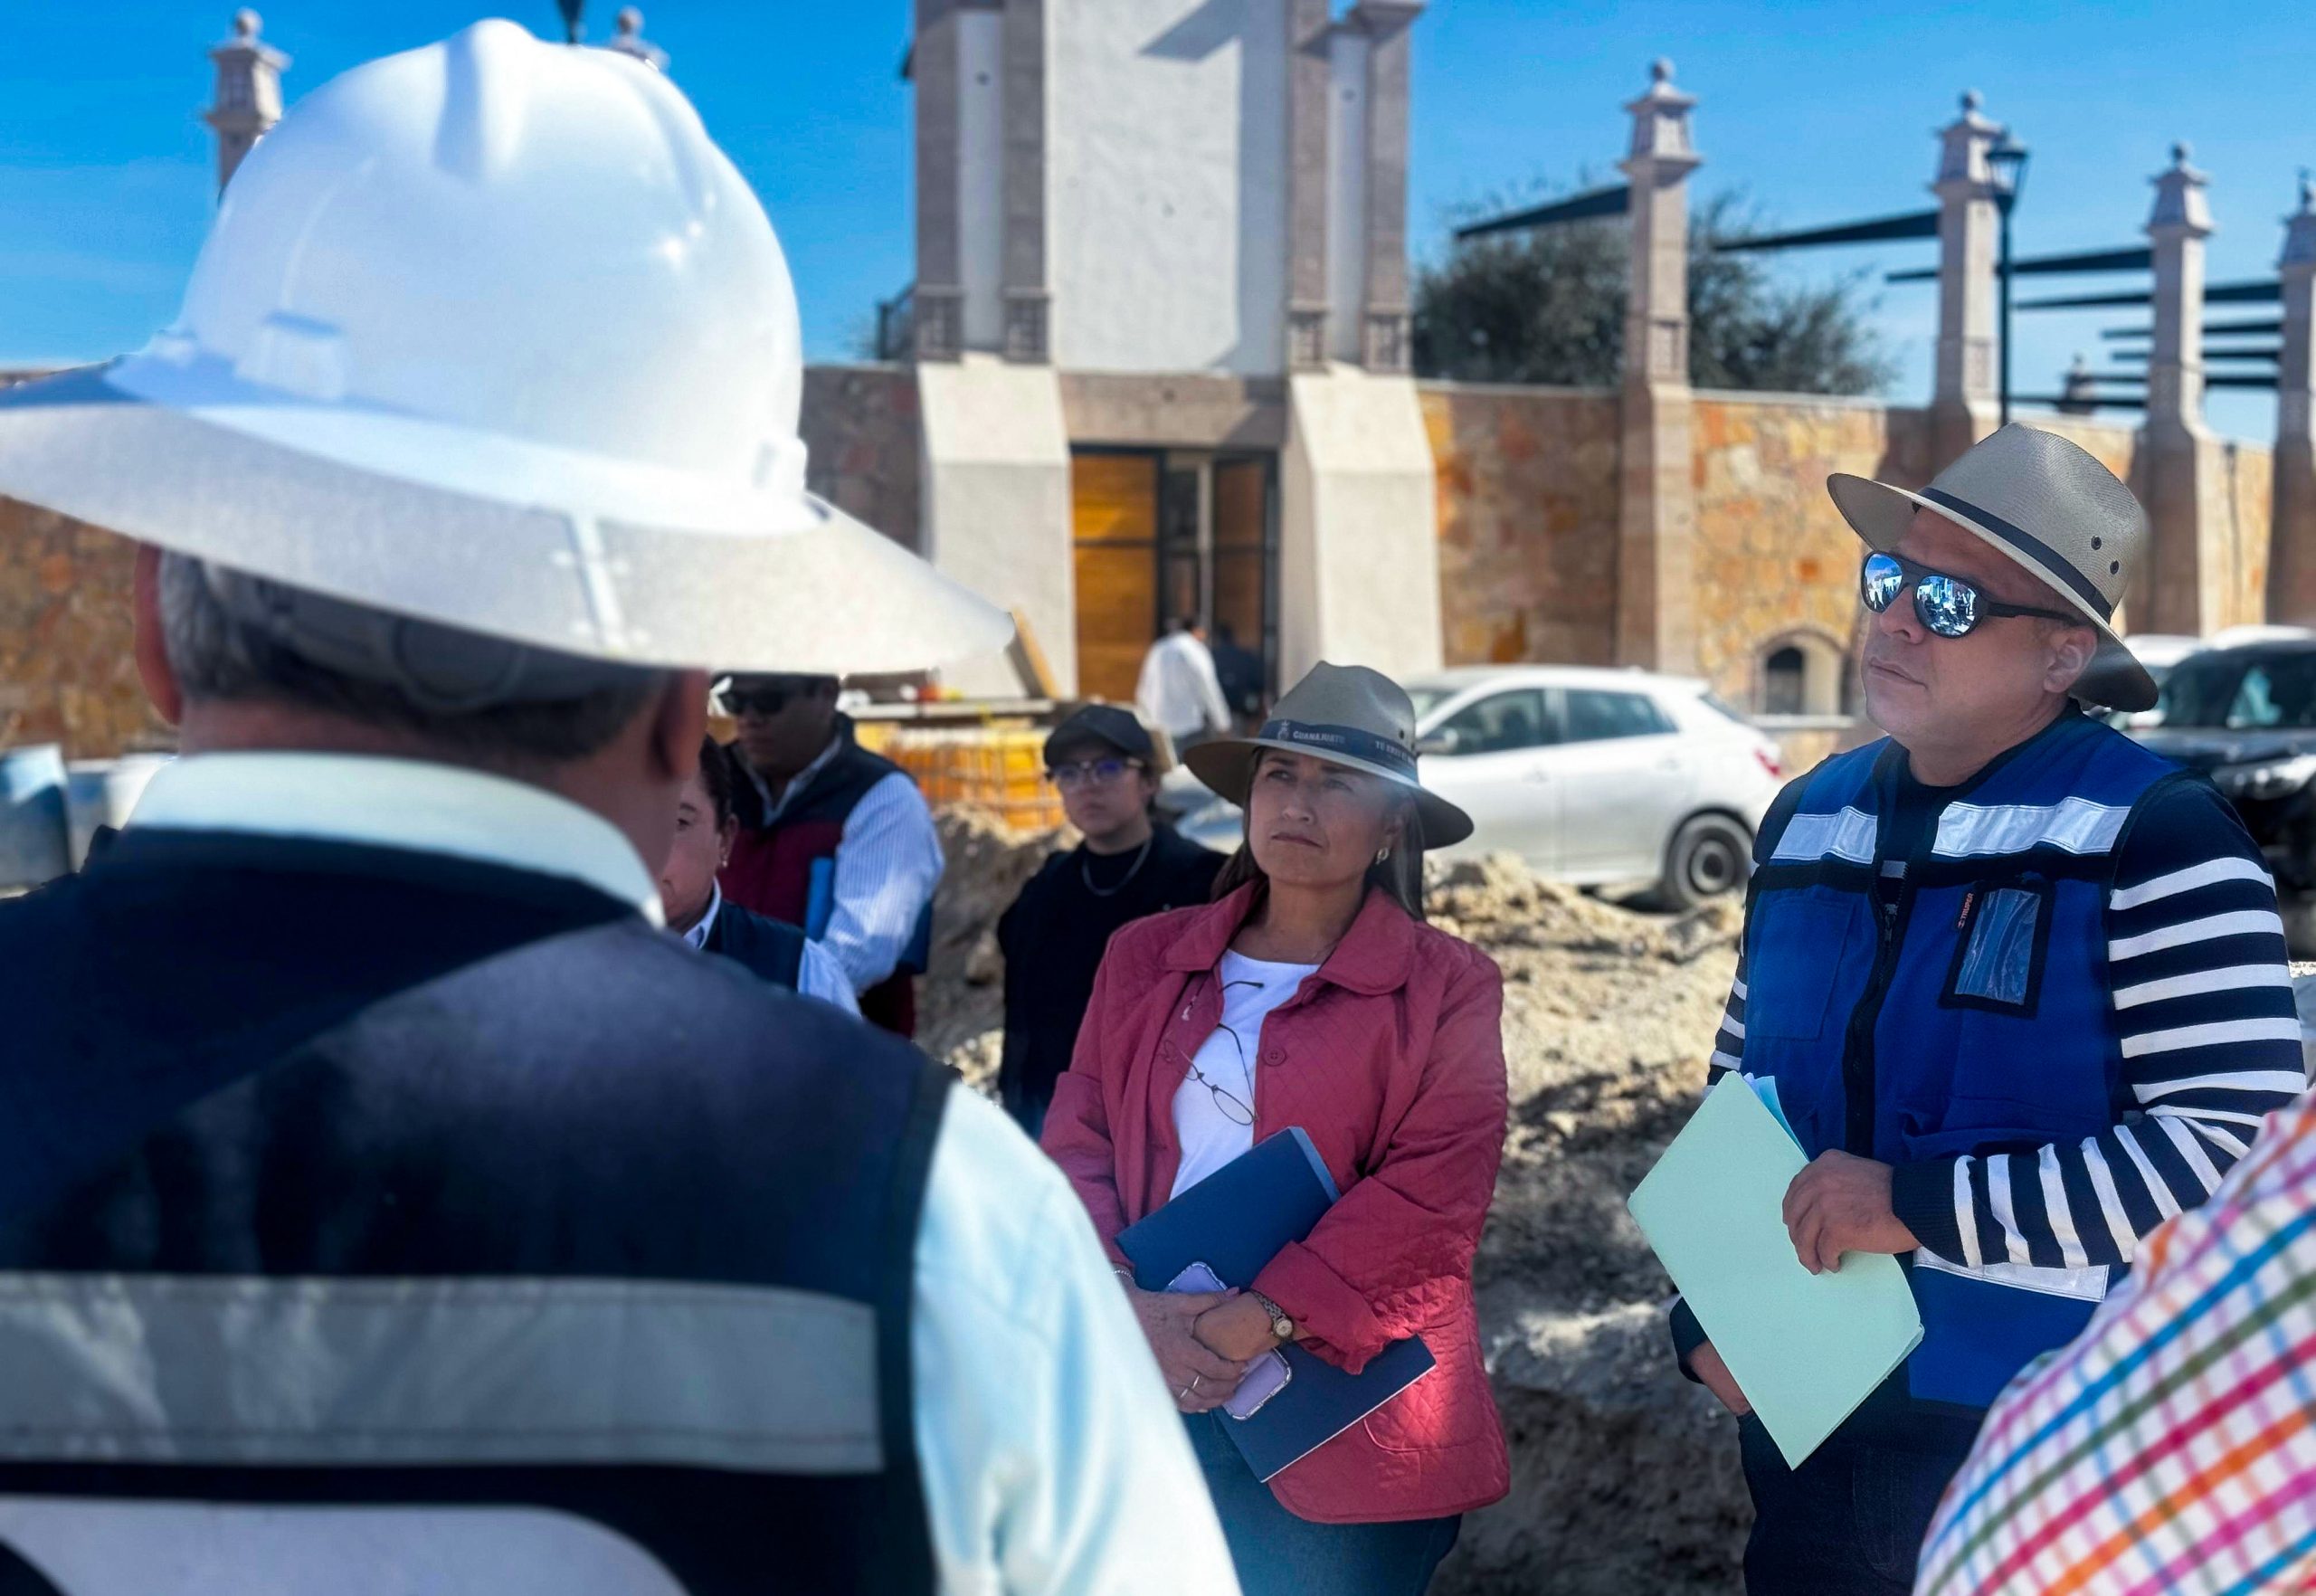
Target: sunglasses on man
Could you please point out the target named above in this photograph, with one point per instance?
(1947, 606)
(767, 698)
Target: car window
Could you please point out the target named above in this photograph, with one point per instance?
(1427, 695)
(2276, 691)
(1500, 723)
(1595, 717)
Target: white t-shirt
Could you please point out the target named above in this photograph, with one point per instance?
(1210, 1137)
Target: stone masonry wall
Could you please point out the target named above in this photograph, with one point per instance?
(1527, 486)
(68, 671)
(862, 440)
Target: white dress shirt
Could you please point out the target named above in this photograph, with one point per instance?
(1052, 1461)
(1179, 689)
(889, 862)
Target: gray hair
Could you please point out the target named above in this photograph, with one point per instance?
(220, 655)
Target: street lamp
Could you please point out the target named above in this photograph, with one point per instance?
(2008, 158)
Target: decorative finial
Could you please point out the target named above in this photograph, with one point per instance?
(1661, 70)
(2307, 191)
(2180, 152)
(246, 24)
(629, 22)
(1972, 100)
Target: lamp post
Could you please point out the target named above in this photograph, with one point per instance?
(2007, 158)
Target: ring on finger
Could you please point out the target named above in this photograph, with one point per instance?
(1194, 1380)
(1183, 1395)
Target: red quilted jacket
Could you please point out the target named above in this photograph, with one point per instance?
(1392, 1057)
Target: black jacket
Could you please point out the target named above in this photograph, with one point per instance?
(333, 1173)
(773, 948)
(1053, 937)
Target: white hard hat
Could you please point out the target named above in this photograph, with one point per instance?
(489, 334)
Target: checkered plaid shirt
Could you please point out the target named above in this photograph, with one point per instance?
(2173, 1446)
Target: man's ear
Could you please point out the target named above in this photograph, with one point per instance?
(679, 726)
(152, 653)
(2068, 655)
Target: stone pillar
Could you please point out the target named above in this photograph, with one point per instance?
(2179, 472)
(1383, 340)
(248, 96)
(1656, 514)
(627, 38)
(937, 301)
(1308, 27)
(2291, 552)
(1027, 298)
(1963, 407)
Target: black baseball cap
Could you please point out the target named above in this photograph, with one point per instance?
(1102, 723)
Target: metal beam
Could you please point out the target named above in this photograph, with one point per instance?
(2137, 258)
(2217, 293)
(1587, 206)
(2060, 401)
(2271, 355)
(2209, 329)
(1880, 229)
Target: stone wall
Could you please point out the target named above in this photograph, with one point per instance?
(68, 672)
(1527, 486)
(862, 440)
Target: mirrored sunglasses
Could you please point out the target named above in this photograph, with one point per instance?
(1947, 606)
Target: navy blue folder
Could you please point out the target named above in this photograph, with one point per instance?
(1235, 1222)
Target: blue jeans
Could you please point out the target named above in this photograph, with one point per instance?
(1279, 1554)
(1851, 1520)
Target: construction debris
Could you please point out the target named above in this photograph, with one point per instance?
(1608, 1017)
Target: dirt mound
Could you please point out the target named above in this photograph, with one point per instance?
(1609, 1016)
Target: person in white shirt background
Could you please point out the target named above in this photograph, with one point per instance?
(1179, 689)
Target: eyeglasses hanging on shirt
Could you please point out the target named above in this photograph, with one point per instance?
(1238, 1110)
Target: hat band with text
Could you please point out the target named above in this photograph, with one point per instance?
(1348, 742)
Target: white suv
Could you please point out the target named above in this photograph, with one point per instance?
(1592, 776)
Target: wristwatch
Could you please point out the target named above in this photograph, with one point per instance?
(1282, 1328)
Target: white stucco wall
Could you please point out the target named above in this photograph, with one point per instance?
(980, 176)
(1358, 554)
(995, 504)
(1166, 218)
(1346, 193)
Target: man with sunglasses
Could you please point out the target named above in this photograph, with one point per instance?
(1128, 866)
(832, 839)
(2019, 983)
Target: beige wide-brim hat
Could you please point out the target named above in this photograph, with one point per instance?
(2048, 505)
(1346, 715)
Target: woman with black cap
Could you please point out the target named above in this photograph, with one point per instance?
(1127, 867)
(1311, 994)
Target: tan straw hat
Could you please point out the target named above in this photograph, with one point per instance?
(2054, 510)
(1346, 715)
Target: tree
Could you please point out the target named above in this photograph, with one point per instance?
(1549, 307)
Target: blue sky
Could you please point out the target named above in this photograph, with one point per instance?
(1818, 111)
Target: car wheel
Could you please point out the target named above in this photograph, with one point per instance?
(1707, 858)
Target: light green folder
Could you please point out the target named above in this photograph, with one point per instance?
(1806, 1349)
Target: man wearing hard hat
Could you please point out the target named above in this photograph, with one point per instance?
(384, 1204)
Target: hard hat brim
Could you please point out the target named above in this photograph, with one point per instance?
(824, 593)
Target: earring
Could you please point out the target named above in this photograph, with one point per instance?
(1382, 854)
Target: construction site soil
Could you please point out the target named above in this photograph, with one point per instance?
(1624, 1476)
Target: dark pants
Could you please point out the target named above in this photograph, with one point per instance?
(1279, 1554)
(1851, 1520)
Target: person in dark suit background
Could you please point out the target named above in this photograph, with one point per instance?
(698, 912)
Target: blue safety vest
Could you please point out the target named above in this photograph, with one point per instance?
(1968, 1016)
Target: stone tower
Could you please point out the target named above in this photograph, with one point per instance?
(248, 93)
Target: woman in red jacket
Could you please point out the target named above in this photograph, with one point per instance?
(1311, 994)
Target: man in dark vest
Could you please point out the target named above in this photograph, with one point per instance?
(698, 911)
(833, 838)
(2018, 984)
(386, 1203)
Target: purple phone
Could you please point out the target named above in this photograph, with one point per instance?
(1269, 1374)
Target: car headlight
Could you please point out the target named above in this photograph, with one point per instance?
(2274, 779)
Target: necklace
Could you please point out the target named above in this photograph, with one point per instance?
(1085, 870)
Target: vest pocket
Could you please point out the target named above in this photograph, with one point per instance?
(1796, 953)
(2000, 947)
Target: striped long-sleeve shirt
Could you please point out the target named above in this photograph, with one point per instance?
(2201, 997)
(2173, 1446)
